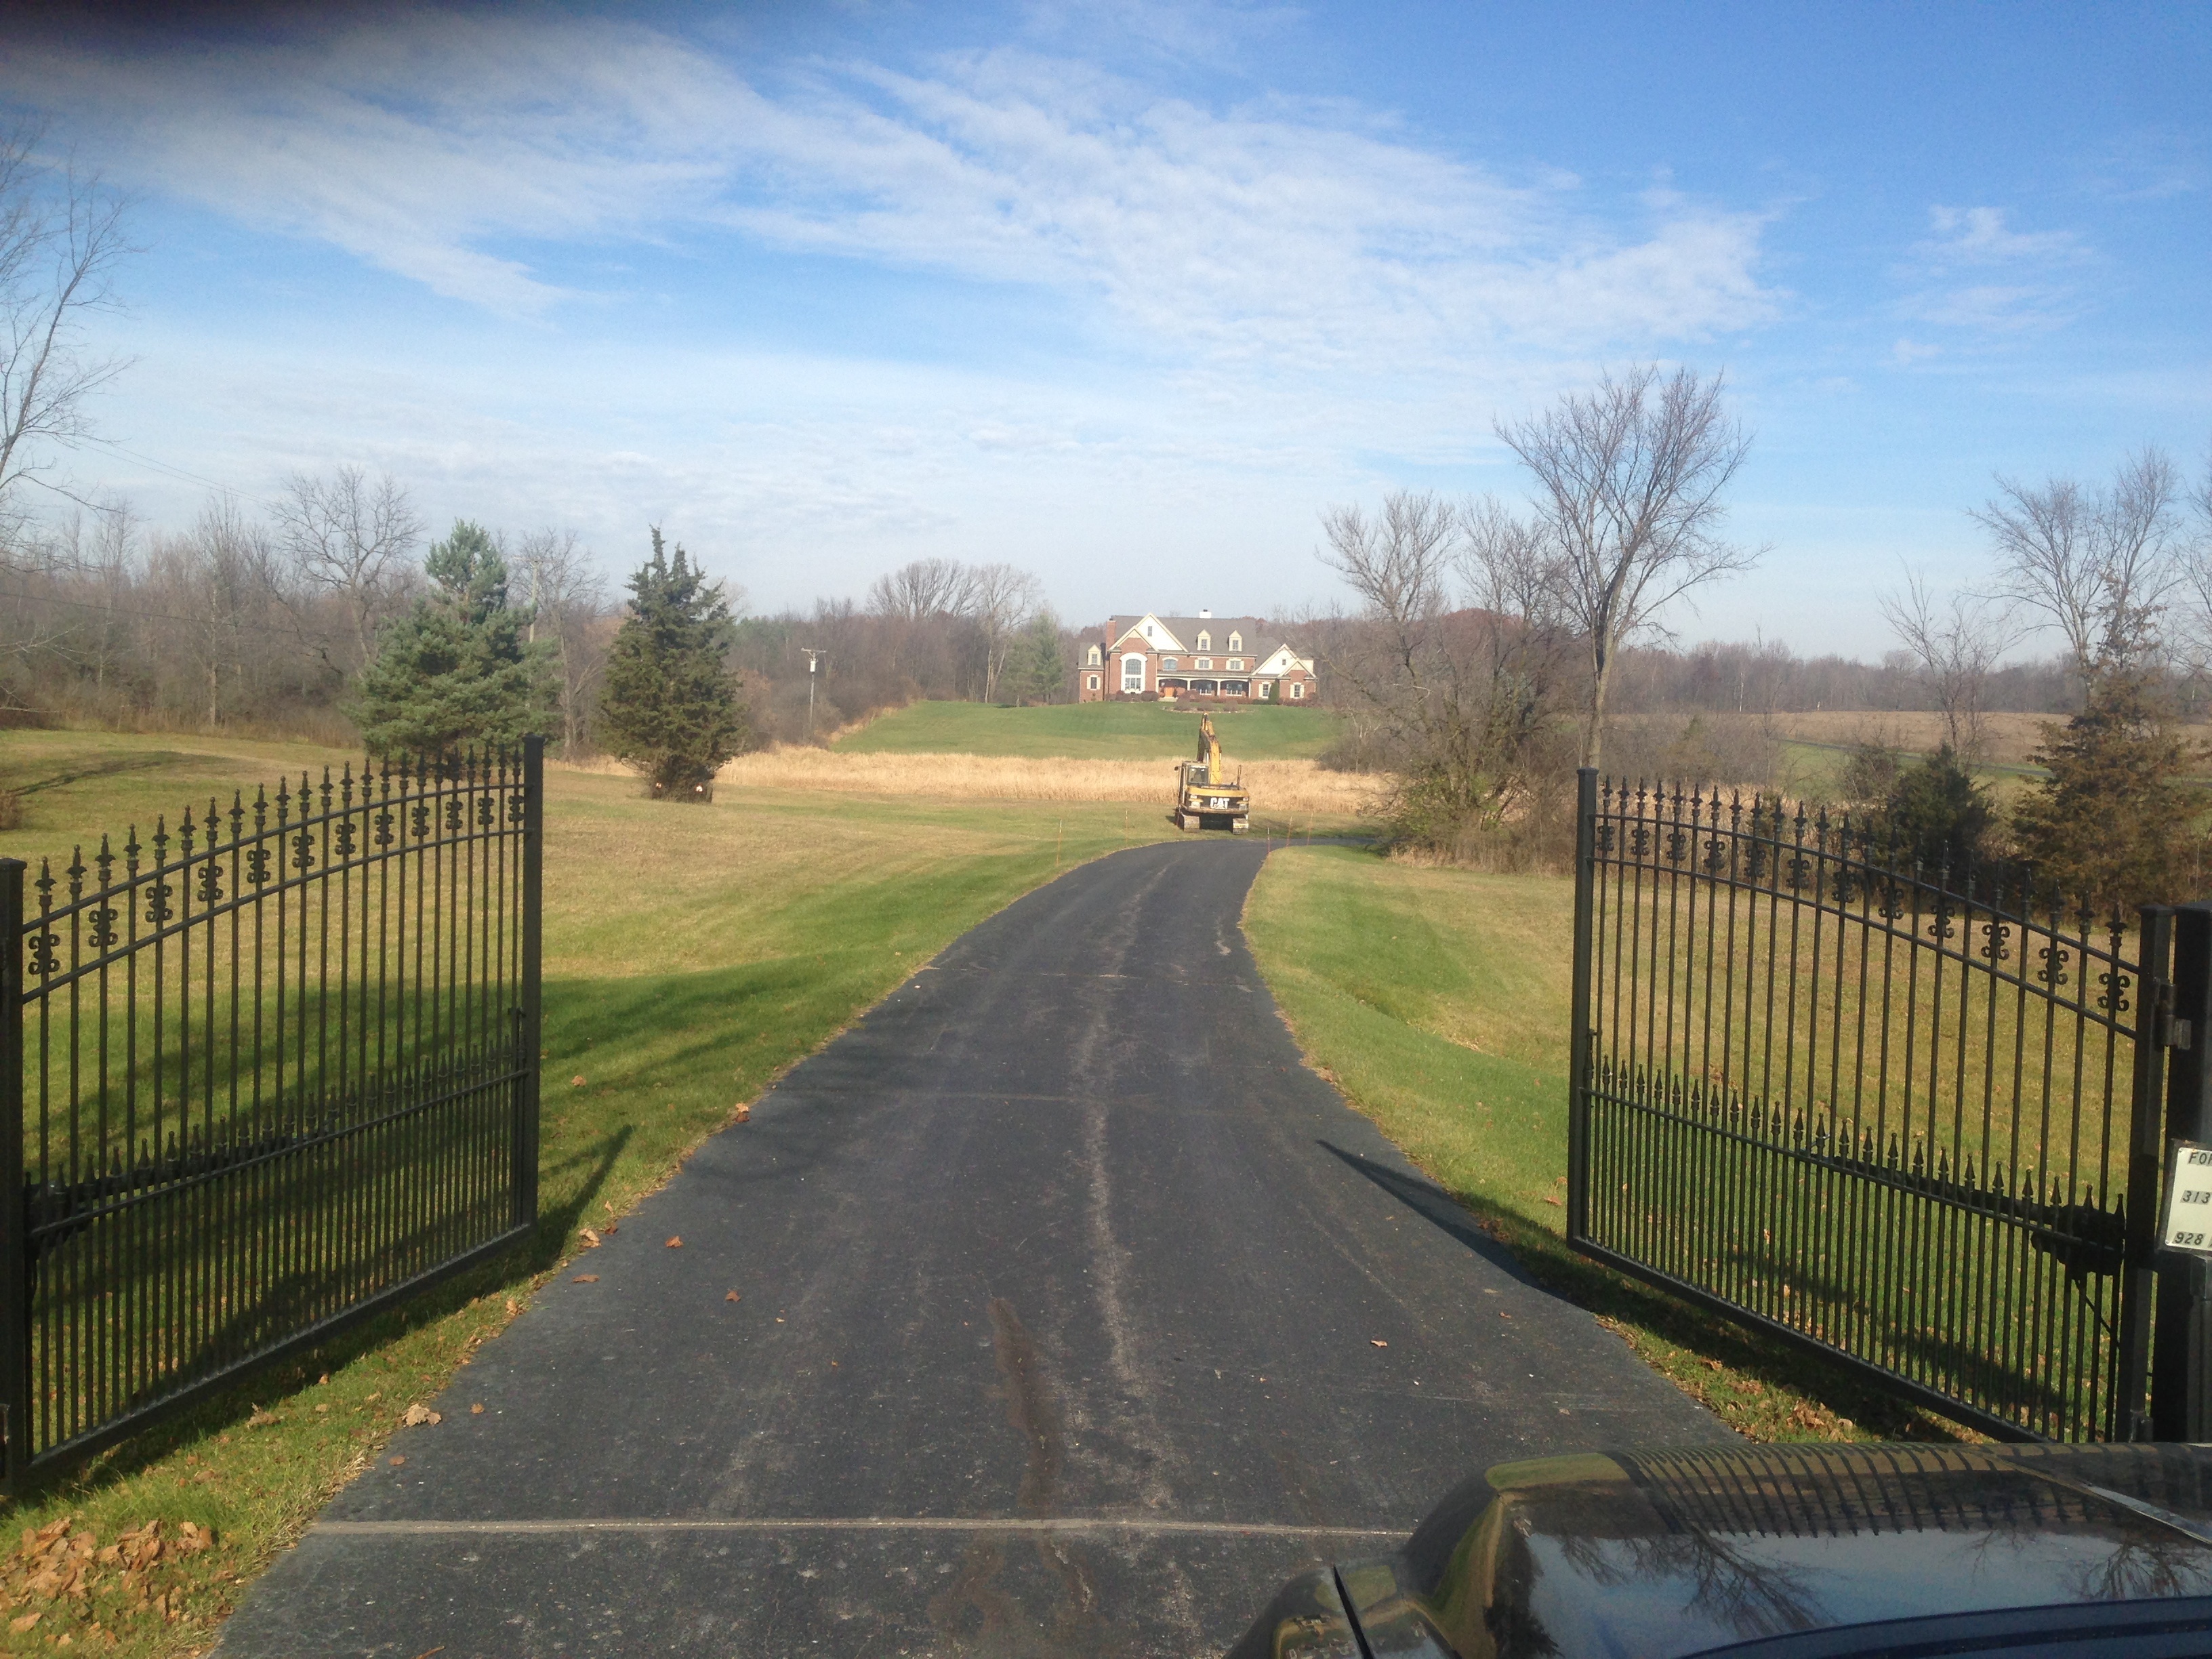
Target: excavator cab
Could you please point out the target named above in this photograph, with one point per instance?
(1207, 799)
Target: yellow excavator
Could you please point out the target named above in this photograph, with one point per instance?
(1207, 799)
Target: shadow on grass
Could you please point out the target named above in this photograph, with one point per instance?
(1700, 1341)
(252, 1390)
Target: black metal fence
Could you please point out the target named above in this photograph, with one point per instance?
(1902, 1117)
(260, 1074)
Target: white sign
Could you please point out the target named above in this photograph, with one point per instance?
(2189, 1199)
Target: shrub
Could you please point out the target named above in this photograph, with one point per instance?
(2115, 826)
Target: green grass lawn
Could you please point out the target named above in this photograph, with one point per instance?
(1090, 731)
(691, 954)
(1437, 1000)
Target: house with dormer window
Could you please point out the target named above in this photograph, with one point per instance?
(1238, 659)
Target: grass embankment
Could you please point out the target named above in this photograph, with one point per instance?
(1090, 731)
(691, 954)
(1437, 1000)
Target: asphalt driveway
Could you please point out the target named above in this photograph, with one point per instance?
(1073, 1314)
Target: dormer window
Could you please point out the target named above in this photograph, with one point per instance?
(1095, 655)
(1236, 642)
(1205, 641)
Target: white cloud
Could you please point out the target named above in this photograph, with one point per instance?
(1311, 238)
(1978, 274)
(1980, 236)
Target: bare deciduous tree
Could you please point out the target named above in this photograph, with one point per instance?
(555, 579)
(924, 589)
(2096, 564)
(1953, 648)
(1451, 665)
(225, 573)
(1001, 600)
(2196, 564)
(61, 238)
(1630, 477)
(353, 538)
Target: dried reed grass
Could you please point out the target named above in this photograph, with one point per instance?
(1277, 786)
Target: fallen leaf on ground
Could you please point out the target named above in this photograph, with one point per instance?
(575, 1083)
(323, 1378)
(476, 1411)
(1548, 1199)
(585, 1279)
(398, 1460)
(674, 1243)
(18, 1626)
(732, 1296)
(419, 1414)
(1502, 1314)
(591, 1239)
(1378, 1342)
(743, 1113)
(260, 1419)
(513, 1307)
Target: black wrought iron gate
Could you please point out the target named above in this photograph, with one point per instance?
(1896, 1115)
(260, 1075)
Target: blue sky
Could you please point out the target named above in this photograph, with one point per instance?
(1126, 293)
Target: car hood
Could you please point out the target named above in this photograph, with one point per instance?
(1665, 1554)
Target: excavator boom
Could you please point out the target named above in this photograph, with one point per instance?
(1208, 799)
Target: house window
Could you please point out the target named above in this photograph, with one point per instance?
(1266, 689)
(1205, 641)
(1094, 663)
(1235, 644)
(1094, 683)
(1132, 673)
(1298, 690)
(1236, 664)
(1167, 665)
(1205, 662)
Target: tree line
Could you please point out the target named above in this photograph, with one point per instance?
(1496, 640)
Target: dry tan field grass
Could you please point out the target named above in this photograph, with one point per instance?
(2012, 738)
(1278, 786)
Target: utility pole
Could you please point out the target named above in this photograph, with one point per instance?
(814, 655)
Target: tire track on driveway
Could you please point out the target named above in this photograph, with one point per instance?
(1066, 1290)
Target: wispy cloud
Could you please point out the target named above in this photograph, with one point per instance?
(1976, 272)
(442, 147)
(1980, 236)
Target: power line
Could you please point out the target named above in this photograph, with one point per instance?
(174, 471)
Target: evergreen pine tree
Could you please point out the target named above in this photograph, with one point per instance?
(669, 705)
(1039, 669)
(2114, 825)
(1939, 815)
(456, 670)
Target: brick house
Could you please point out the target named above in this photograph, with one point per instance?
(1237, 659)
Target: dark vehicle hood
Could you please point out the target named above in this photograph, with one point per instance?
(1671, 1553)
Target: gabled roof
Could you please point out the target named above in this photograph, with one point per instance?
(1182, 632)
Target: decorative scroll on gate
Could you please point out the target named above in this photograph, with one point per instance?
(260, 1074)
(1902, 1115)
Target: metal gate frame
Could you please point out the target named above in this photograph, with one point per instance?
(2149, 1286)
(439, 813)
